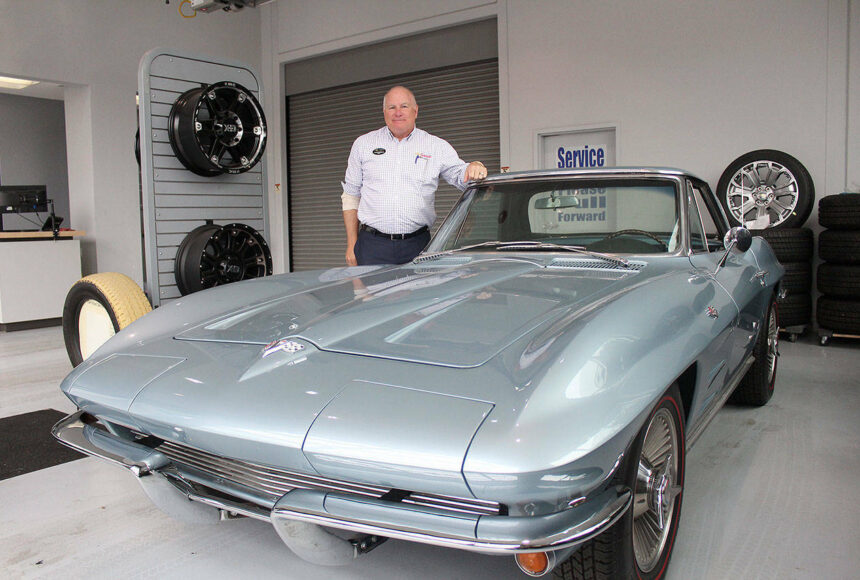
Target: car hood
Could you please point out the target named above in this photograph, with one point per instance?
(456, 312)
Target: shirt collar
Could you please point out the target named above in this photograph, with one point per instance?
(393, 138)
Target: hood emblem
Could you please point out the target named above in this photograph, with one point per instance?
(283, 344)
(712, 312)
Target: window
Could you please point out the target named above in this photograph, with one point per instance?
(705, 234)
(617, 215)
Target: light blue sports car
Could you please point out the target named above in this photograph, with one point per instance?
(527, 386)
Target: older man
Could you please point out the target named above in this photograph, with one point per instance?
(390, 185)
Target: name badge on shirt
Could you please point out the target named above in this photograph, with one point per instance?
(378, 151)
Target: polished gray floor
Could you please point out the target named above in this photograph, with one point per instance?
(772, 492)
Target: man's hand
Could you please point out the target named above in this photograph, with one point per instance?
(350, 255)
(474, 171)
(350, 222)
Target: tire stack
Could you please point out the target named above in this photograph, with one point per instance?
(772, 193)
(838, 280)
(793, 248)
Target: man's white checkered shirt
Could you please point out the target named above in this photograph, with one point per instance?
(397, 180)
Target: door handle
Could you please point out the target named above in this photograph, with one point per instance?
(760, 276)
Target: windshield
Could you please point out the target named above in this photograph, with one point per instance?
(614, 216)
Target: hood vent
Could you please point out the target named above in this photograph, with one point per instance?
(580, 264)
(441, 260)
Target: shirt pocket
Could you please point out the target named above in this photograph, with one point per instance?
(426, 171)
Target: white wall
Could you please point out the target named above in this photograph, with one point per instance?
(33, 152)
(691, 84)
(94, 48)
(853, 141)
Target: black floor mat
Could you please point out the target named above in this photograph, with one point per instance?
(26, 443)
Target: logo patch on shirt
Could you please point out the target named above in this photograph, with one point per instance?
(378, 151)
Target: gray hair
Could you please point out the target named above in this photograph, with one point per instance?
(411, 95)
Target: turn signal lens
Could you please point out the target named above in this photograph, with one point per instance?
(534, 564)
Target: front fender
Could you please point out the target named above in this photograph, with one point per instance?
(602, 372)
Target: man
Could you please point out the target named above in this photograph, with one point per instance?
(390, 185)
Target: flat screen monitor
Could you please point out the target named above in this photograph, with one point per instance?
(23, 198)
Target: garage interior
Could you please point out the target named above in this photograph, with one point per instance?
(770, 492)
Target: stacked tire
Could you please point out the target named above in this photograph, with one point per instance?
(793, 248)
(838, 277)
(772, 193)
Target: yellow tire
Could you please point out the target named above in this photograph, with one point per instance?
(97, 307)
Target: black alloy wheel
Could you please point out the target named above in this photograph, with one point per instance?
(212, 255)
(217, 129)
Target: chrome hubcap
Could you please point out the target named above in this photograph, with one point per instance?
(656, 489)
(762, 194)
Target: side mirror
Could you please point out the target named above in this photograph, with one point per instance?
(737, 241)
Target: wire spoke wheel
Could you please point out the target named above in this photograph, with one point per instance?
(212, 255)
(772, 344)
(655, 491)
(217, 129)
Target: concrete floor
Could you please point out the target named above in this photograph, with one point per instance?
(772, 492)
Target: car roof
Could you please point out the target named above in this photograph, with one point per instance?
(590, 172)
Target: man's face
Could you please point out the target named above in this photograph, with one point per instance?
(400, 112)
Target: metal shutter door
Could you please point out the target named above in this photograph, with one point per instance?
(459, 104)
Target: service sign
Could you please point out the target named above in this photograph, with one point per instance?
(578, 149)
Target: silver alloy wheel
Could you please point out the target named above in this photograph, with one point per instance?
(772, 344)
(762, 194)
(655, 490)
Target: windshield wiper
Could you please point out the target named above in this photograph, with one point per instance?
(537, 245)
(525, 245)
(434, 255)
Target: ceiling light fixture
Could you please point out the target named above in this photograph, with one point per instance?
(13, 83)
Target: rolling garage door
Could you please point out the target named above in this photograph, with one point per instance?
(458, 103)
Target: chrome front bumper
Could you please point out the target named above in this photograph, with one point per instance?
(490, 534)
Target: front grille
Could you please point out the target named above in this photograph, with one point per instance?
(274, 483)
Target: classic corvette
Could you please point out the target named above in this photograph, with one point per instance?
(528, 386)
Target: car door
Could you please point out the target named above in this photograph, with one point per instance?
(717, 310)
(738, 276)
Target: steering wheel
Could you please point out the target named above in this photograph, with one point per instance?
(639, 233)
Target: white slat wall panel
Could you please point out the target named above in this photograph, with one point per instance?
(176, 200)
(459, 104)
